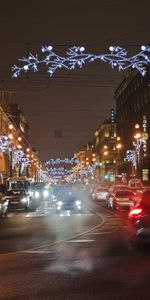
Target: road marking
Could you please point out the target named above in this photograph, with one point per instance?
(45, 214)
(38, 251)
(80, 241)
(69, 239)
(30, 215)
(100, 233)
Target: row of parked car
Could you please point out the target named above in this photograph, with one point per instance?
(135, 201)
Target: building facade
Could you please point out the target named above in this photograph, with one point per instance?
(133, 126)
(106, 151)
(17, 157)
(103, 151)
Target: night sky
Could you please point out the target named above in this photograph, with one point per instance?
(64, 111)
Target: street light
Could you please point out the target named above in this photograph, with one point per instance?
(105, 153)
(118, 147)
(137, 144)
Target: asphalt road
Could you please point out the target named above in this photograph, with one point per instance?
(70, 256)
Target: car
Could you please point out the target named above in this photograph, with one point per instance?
(135, 184)
(123, 200)
(99, 193)
(69, 201)
(111, 193)
(138, 224)
(39, 193)
(17, 199)
(3, 205)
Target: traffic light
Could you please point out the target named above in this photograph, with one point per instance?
(99, 164)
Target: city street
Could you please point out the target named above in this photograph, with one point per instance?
(75, 150)
(70, 256)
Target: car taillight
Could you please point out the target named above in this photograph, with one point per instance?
(135, 212)
(117, 200)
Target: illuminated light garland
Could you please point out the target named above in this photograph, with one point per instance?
(88, 169)
(43, 176)
(59, 161)
(137, 146)
(59, 171)
(76, 58)
(5, 144)
(19, 157)
(131, 157)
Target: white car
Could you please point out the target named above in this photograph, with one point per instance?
(100, 193)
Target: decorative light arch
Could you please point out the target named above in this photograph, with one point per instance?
(76, 58)
(59, 161)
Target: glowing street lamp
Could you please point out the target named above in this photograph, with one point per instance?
(118, 147)
(137, 144)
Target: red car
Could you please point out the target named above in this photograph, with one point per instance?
(139, 219)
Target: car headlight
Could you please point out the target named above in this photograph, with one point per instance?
(78, 202)
(37, 194)
(60, 203)
(45, 193)
(24, 200)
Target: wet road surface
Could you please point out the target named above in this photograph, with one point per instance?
(71, 256)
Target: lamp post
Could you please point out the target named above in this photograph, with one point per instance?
(105, 153)
(137, 144)
(118, 147)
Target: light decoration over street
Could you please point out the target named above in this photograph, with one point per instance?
(43, 176)
(87, 170)
(77, 58)
(58, 171)
(59, 161)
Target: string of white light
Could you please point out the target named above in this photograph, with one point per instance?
(5, 144)
(130, 157)
(59, 161)
(18, 155)
(76, 58)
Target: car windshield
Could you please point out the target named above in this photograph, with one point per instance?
(15, 192)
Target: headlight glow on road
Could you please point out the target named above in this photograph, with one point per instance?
(24, 200)
(78, 202)
(45, 193)
(59, 203)
(37, 194)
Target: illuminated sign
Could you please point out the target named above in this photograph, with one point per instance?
(144, 136)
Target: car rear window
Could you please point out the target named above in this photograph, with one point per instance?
(125, 193)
